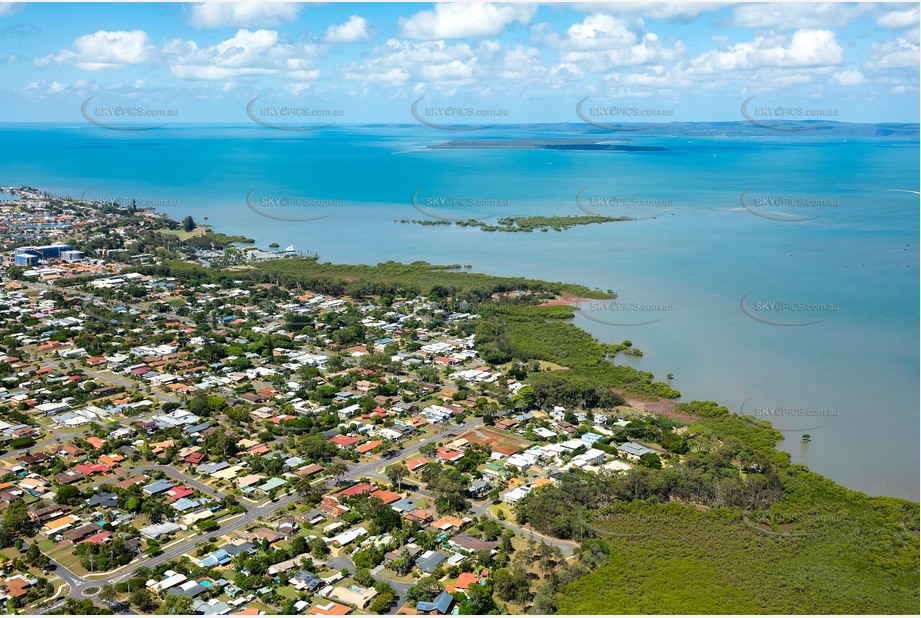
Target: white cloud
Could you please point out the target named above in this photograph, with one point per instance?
(355, 29)
(245, 14)
(246, 54)
(458, 20)
(104, 50)
(899, 18)
(898, 54)
(849, 78)
(794, 15)
(44, 89)
(599, 31)
(683, 12)
(806, 48)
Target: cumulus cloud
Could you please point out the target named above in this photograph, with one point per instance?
(682, 12)
(245, 14)
(849, 78)
(898, 54)
(805, 48)
(794, 15)
(458, 20)
(355, 29)
(601, 42)
(898, 18)
(104, 50)
(246, 54)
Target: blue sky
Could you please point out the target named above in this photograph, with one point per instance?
(532, 62)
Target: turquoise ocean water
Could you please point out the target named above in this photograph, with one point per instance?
(804, 313)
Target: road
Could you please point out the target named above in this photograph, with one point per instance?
(78, 585)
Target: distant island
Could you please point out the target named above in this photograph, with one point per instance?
(524, 224)
(553, 143)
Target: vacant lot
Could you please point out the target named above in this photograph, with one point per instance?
(492, 438)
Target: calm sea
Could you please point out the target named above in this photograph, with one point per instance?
(777, 275)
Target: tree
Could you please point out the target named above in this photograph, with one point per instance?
(479, 601)
(175, 604)
(396, 472)
(70, 495)
(108, 594)
(35, 557)
(512, 585)
(337, 471)
(426, 589)
(188, 224)
(143, 600)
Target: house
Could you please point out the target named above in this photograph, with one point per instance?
(272, 484)
(249, 480)
(157, 530)
(449, 521)
(56, 526)
(75, 535)
(91, 469)
(441, 605)
(471, 544)
(195, 459)
(70, 450)
(103, 500)
(264, 534)
(448, 455)
(464, 581)
(513, 496)
(47, 513)
(367, 447)
(309, 470)
(633, 452)
(330, 609)
(404, 505)
(180, 492)
(213, 607)
(353, 595)
(419, 516)
(344, 441)
(416, 464)
(429, 561)
(158, 487)
(387, 497)
(479, 488)
(134, 480)
(305, 580)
